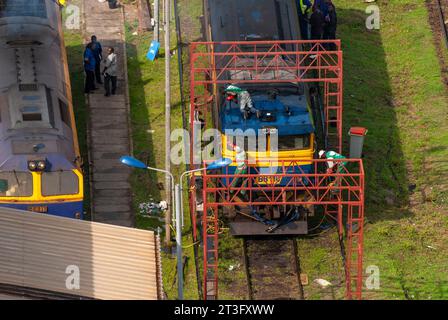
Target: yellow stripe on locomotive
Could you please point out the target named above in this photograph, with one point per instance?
(268, 157)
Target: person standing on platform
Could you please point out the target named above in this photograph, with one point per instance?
(89, 68)
(110, 73)
(303, 7)
(98, 54)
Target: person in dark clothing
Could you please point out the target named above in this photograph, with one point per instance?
(303, 7)
(98, 54)
(89, 68)
(331, 25)
(322, 5)
(317, 22)
(112, 4)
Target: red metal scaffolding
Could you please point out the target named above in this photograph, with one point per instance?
(214, 65)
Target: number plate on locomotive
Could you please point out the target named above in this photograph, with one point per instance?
(38, 209)
(269, 180)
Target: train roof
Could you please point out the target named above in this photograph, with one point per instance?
(290, 116)
(236, 20)
(19, 163)
(35, 99)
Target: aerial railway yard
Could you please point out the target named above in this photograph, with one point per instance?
(388, 179)
(405, 222)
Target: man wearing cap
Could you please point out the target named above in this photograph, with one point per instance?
(331, 155)
(244, 100)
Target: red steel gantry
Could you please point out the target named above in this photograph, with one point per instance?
(215, 65)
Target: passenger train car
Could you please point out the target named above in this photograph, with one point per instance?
(286, 109)
(40, 164)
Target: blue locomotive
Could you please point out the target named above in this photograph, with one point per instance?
(280, 130)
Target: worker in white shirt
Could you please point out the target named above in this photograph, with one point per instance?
(110, 73)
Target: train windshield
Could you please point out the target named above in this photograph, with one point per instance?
(259, 22)
(16, 184)
(59, 183)
(23, 8)
(294, 142)
(249, 143)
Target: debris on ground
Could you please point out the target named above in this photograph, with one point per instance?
(152, 208)
(234, 267)
(323, 283)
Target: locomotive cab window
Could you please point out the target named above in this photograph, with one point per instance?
(294, 142)
(23, 8)
(16, 184)
(59, 183)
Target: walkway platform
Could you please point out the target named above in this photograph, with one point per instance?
(109, 129)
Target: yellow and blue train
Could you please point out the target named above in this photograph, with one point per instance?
(40, 163)
(284, 130)
(286, 126)
(285, 107)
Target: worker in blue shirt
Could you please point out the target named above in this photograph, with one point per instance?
(322, 5)
(89, 68)
(303, 7)
(98, 54)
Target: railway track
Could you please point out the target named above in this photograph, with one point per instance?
(442, 10)
(272, 269)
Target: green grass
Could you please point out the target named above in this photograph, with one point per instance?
(147, 98)
(75, 49)
(393, 86)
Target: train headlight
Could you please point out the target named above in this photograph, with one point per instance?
(37, 165)
(32, 165)
(41, 165)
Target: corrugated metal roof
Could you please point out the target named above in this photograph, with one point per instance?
(41, 251)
